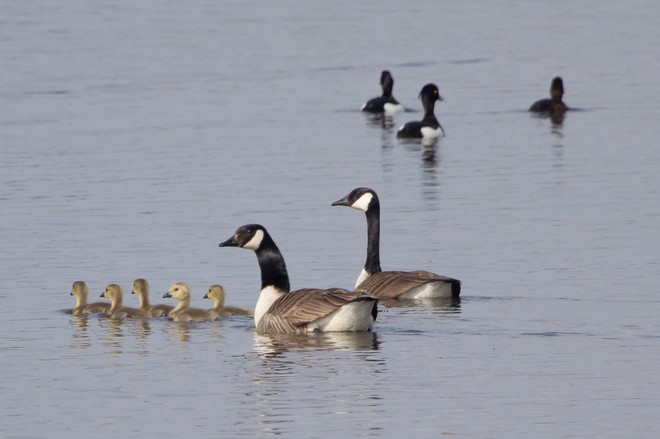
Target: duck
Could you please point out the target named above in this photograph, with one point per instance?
(217, 293)
(385, 104)
(555, 105)
(398, 285)
(115, 293)
(428, 127)
(141, 289)
(310, 310)
(80, 290)
(182, 312)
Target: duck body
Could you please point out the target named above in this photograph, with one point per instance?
(117, 311)
(555, 105)
(183, 312)
(400, 285)
(141, 289)
(80, 291)
(279, 310)
(428, 127)
(385, 104)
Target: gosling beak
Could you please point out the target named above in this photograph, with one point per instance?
(206, 296)
(133, 292)
(167, 295)
(231, 242)
(71, 294)
(342, 202)
(102, 294)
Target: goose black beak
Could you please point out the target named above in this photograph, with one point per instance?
(133, 292)
(342, 202)
(167, 295)
(231, 242)
(102, 294)
(71, 294)
(206, 296)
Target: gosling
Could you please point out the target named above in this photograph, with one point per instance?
(217, 293)
(117, 310)
(182, 312)
(141, 288)
(80, 290)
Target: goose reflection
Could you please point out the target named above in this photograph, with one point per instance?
(444, 305)
(274, 345)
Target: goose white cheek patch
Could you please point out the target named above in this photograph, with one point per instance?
(255, 242)
(362, 203)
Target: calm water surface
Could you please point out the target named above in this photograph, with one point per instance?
(137, 136)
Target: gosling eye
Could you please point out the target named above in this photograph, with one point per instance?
(176, 289)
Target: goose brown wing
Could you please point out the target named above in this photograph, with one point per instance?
(295, 309)
(390, 284)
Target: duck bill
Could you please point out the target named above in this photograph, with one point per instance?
(206, 296)
(166, 295)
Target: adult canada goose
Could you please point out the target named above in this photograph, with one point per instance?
(141, 288)
(217, 293)
(392, 284)
(117, 311)
(79, 289)
(554, 105)
(385, 103)
(428, 127)
(280, 310)
(182, 312)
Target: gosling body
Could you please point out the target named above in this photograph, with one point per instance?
(141, 289)
(217, 293)
(183, 312)
(117, 310)
(80, 291)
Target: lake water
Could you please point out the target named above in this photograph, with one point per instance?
(136, 136)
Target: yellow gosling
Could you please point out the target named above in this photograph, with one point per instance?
(79, 290)
(117, 310)
(182, 312)
(217, 293)
(141, 289)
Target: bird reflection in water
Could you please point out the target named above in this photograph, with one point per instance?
(444, 305)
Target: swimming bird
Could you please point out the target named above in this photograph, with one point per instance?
(280, 310)
(385, 103)
(555, 105)
(182, 312)
(117, 311)
(392, 284)
(428, 127)
(141, 289)
(217, 293)
(79, 289)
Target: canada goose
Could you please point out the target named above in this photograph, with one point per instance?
(141, 288)
(279, 310)
(217, 293)
(182, 312)
(428, 127)
(117, 311)
(80, 290)
(385, 103)
(392, 284)
(555, 103)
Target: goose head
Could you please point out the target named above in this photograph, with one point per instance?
(249, 236)
(362, 198)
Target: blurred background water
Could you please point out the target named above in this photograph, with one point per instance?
(137, 136)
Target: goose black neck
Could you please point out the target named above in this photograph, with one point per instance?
(372, 265)
(271, 263)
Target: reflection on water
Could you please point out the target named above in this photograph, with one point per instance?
(449, 305)
(274, 345)
(331, 374)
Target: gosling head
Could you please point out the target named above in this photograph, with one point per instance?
(361, 198)
(140, 287)
(79, 289)
(217, 293)
(179, 291)
(112, 292)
